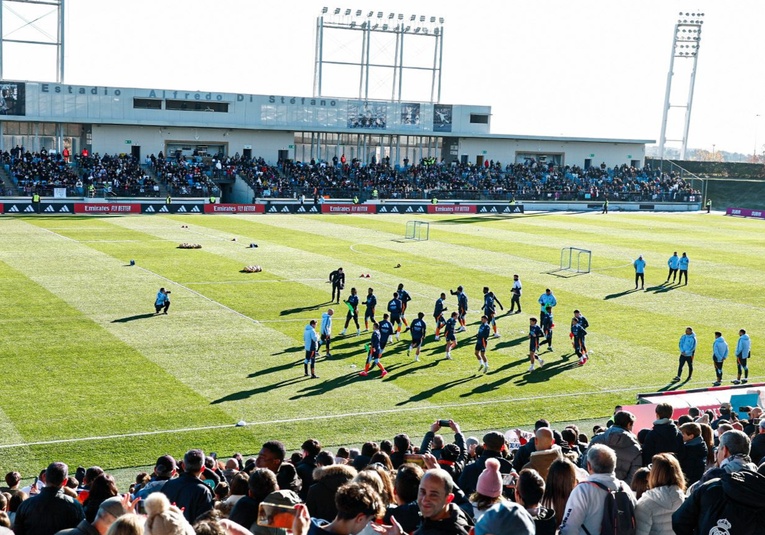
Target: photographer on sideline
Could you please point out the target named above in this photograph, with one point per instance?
(162, 302)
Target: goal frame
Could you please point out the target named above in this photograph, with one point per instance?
(571, 260)
(417, 230)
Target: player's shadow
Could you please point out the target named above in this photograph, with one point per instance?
(425, 394)
(669, 387)
(133, 318)
(545, 373)
(244, 394)
(296, 349)
(621, 294)
(298, 310)
(510, 343)
(663, 288)
(318, 387)
(274, 369)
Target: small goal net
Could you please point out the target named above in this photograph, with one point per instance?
(575, 259)
(417, 230)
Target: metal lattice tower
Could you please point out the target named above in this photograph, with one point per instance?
(369, 35)
(27, 16)
(685, 46)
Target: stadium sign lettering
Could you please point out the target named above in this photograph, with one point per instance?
(451, 209)
(295, 100)
(72, 90)
(234, 208)
(348, 208)
(100, 208)
(186, 95)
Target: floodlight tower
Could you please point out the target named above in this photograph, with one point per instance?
(29, 13)
(685, 46)
(374, 27)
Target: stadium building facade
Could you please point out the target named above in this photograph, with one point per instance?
(140, 121)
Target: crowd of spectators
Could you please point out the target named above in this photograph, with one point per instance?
(86, 175)
(530, 180)
(693, 475)
(191, 176)
(196, 176)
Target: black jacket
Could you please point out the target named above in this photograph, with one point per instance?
(457, 523)
(83, 528)
(190, 494)
(693, 460)
(288, 478)
(734, 503)
(544, 521)
(48, 512)
(321, 495)
(408, 515)
(305, 470)
(665, 437)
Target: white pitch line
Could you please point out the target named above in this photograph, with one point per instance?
(221, 305)
(255, 281)
(419, 408)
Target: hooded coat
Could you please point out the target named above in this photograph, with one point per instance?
(627, 448)
(653, 512)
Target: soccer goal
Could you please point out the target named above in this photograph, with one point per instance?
(575, 259)
(417, 230)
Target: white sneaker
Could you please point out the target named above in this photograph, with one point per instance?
(342, 333)
(531, 368)
(417, 358)
(437, 338)
(358, 332)
(448, 356)
(461, 328)
(496, 335)
(541, 362)
(397, 338)
(549, 348)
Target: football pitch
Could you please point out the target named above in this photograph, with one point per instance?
(93, 377)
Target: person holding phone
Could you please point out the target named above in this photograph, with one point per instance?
(431, 440)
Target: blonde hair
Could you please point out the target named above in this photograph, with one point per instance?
(665, 471)
(163, 518)
(129, 524)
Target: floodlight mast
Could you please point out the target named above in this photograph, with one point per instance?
(372, 23)
(685, 45)
(46, 39)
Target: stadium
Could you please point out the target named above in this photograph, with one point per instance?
(241, 205)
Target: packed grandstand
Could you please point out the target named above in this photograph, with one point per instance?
(121, 175)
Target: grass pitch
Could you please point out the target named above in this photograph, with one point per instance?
(93, 377)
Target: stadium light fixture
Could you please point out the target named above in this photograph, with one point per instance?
(391, 15)
(417, 29)
(432, 20)
(379, 14)
(369, 15)
(436, 31)
(407, 28)
(358, 12)
(440, 20)
(422, 18)
(375, 26)
(324, 9)
(400, 16)
(337, 11)
(347, 12)
(353, 24)
(412, 18)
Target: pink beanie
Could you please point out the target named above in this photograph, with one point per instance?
(490, 480)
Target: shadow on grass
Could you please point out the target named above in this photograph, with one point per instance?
(662, 288)
(545, 373)
(510, 343)
(296, 349)
(274, 369)
(564, 273)
(669, 387)
(244, 394)
(425, 394)
(620, 294)
(133, 318)
(315, 388)
(298, 310)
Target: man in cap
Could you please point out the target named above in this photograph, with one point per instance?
(164, 470)
(187, 491)
(109, 511)
(493, 445)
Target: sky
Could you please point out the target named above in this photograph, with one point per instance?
(584, 68)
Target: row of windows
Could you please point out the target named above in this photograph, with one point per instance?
(179, 105)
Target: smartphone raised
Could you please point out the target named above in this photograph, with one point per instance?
(415, 458)
(272, 515)
(444, 423)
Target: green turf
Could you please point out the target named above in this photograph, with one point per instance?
(88, 368)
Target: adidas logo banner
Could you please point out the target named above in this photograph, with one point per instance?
(409, 210)
(29, 209)
(384, 210)
(195, 209)
(13, 208)
(313, 210)
(286, 210)
(182, 209)
(64, 209)
(272, 210)
(394, 210)
(482, 210)
(150, 210)
(301, 210)
(164, 209)
(49, 208)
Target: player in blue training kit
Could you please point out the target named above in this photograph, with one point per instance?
(311, 340)
(418, 329)
(579, 326)
(386, 331)
(404, 297)
(395, 307)
(482, 339)
(374, 354)
(462, 306)
(353, 312)
(535, 333)
(547, 328)
(451, 339)
(438, 314)
(369, 313)
(743, 351)
(687, 347)
(489, 300)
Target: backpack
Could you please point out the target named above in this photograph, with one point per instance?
(618, 513)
